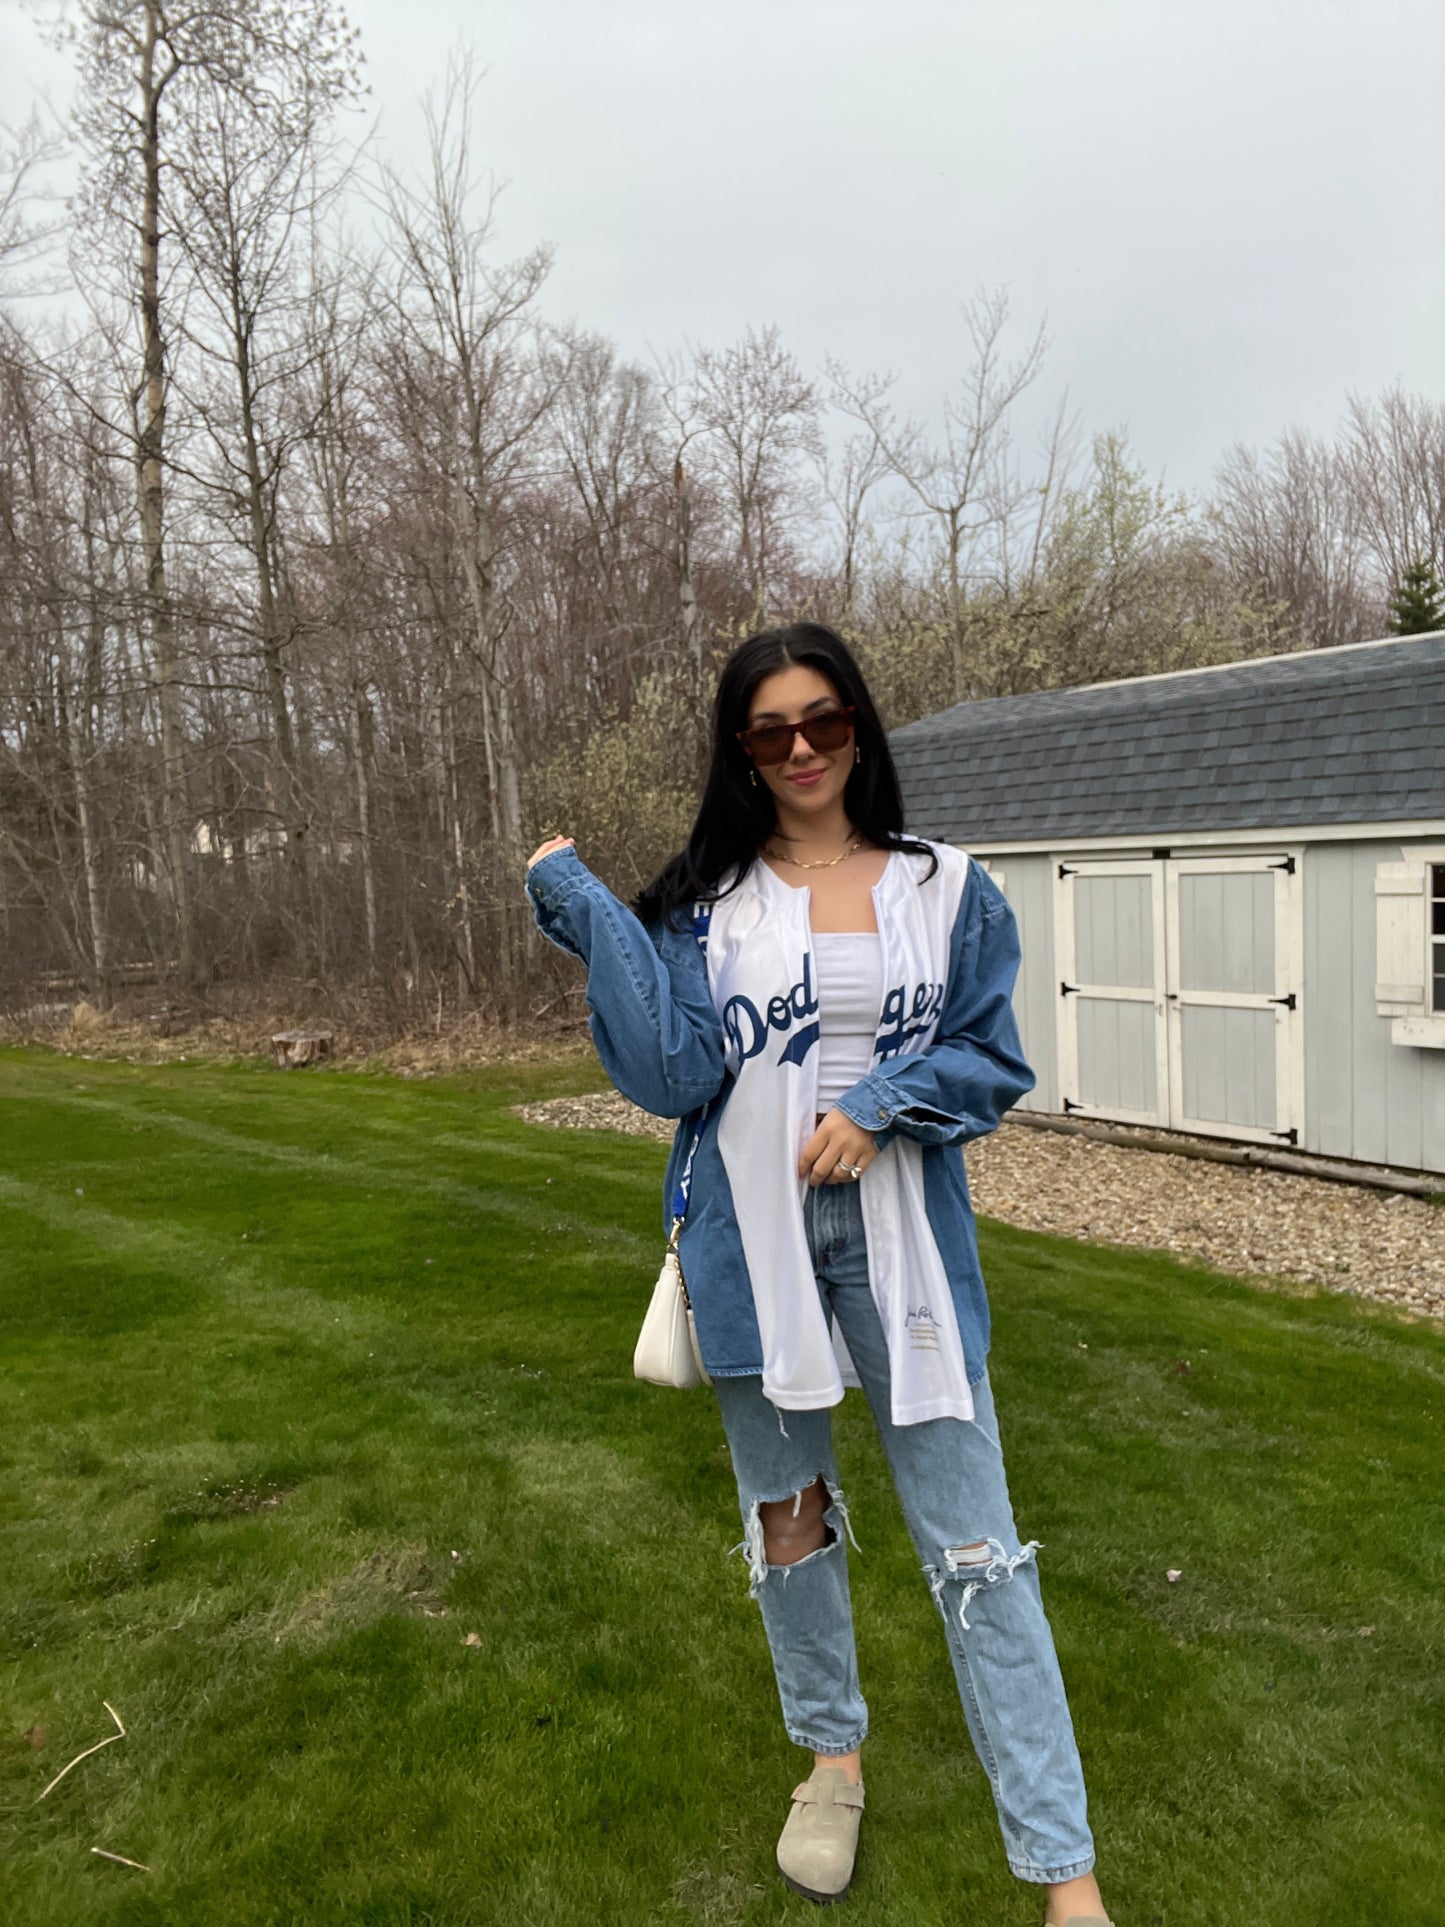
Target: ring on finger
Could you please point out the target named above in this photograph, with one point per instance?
(855, 1171)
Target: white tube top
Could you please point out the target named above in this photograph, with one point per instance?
(849, 964)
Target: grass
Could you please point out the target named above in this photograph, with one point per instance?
(322, 1462)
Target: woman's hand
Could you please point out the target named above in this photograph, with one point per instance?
(546, 849)
(837, 1140)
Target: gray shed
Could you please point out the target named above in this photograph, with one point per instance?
(1230, 886)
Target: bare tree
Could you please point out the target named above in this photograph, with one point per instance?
(340, 455)
(474, 387)
(1289, 523)
(759, 415)
(956, 480)
(607, 429)
(131, 54)
(683, 425)
(254, 172)
(851, 472)
(1395, 461)
(65, 578)
(31, 223)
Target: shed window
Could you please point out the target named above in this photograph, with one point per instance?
(1410, 947)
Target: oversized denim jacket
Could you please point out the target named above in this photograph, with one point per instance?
(660, 1040)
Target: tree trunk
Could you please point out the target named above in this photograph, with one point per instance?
(468, 958)
(150, 490)
(361, 749)
(89, 844)
(289, 794)
(500, 742)
(689, 615)
(955, 610)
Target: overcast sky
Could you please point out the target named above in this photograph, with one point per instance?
(1230, 210)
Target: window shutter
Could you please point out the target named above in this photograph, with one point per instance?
(1400, 939)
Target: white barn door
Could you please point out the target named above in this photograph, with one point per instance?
(1113, 1036)
(1178, 993)
(1232, 995)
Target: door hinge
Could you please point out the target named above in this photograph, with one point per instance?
(1291, 1136)
(1068, 869)
(1068, 990)
(1070, 1105)
(1288, 1002)
(1287, 866)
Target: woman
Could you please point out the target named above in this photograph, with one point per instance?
(824, 1002)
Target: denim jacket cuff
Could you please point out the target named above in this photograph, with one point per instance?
(873, 1106)
(877, 1105)
(550, 876)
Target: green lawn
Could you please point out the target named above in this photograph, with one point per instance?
(322, 1462)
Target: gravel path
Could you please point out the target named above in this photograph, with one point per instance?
(1375, 1244)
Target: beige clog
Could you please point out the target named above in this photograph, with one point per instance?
(820, 1841)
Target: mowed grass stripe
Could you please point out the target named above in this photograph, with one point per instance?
(266, 1140)
(171, 1245)
(251, 1283)
(1345, 1328)
(406, 1173)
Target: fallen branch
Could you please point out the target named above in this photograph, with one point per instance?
(119, 1858)
(109, 1740)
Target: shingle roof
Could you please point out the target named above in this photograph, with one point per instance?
(1348, 735)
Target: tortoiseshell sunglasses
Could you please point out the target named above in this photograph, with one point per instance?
(769, 743)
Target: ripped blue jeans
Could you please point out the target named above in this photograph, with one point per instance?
(950, 1480)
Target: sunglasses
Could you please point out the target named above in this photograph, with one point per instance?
(769, 743)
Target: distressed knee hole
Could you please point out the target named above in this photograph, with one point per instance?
(973, 1566)
(791, 1532)
(781, 1534)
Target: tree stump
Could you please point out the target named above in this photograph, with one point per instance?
(292, 1050)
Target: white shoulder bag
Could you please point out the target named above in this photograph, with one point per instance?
(667, 1350)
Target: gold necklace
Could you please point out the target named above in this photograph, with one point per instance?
(853, 844)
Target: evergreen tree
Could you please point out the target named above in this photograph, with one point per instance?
(1418, 604)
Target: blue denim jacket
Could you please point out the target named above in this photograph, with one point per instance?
(660, 1040)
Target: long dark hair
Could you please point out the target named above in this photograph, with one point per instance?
(736, 816)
